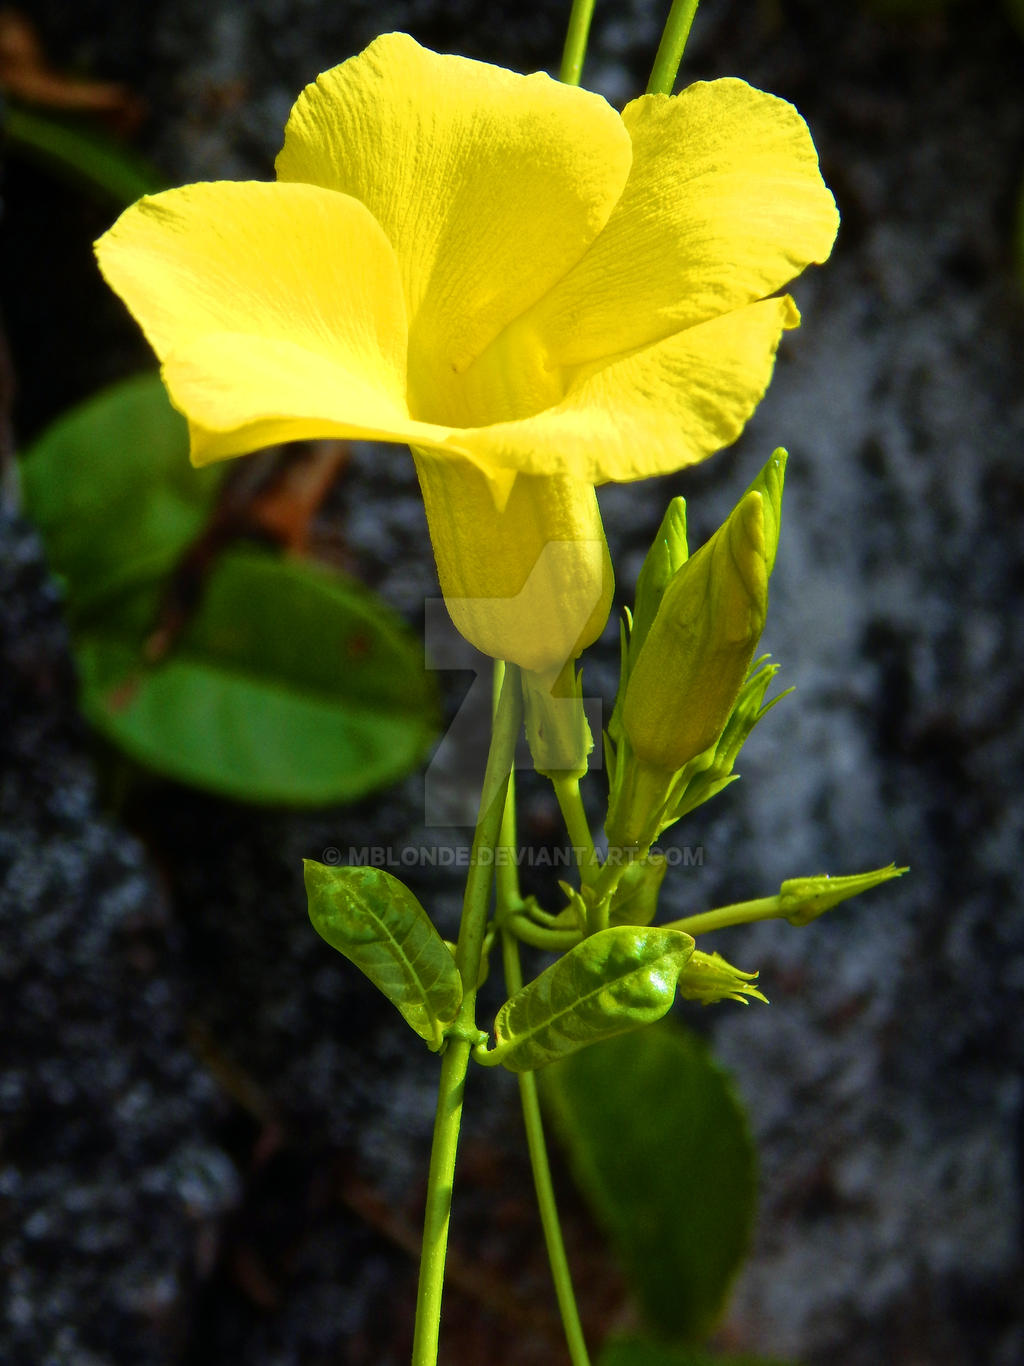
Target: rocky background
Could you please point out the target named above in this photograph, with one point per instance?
(212, 1137)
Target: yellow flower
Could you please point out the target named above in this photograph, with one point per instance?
(536, 293)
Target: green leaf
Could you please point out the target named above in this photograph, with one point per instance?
(289, 685)
(377, 923)
(637, 1352)
(81, 153)
(614, 981)
(111, 489)
(661, 1149)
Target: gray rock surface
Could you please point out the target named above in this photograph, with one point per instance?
(111, 1191)
(884, 1082)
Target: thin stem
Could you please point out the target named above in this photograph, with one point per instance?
(567, 790)
(506, 874)
(552, 941)
(670, 49)
(741, 913)
(509, 901)
(451, 1087)
(543, 1185)
(437, 1216)
(576, 41)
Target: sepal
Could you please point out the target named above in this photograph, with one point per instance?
(635, 899)
(708, 977)
(556, 722)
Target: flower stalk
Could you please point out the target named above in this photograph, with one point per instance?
(671, 47)
(454, 1064)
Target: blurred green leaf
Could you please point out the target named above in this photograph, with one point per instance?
(675, 1189)
(80, 152)
(289, 685)
(636, 1352)
(616, 980)
(110, 487)
(376, 922)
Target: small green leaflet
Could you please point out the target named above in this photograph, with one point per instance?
(377, 923)
(614, 981)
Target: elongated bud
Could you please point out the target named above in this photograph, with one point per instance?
(700, 645)
(708, 977)
(803, 899)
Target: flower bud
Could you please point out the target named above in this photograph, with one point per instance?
(803, 899)
(691, 667)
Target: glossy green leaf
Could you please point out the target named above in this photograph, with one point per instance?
(614, 981)
(289, 685)
(675, 1190)
(81, 153)
(637, 1352)
(111, 489)
(377, 923)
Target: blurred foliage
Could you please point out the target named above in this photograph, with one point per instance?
(284, 683)
(79, 152)
(659, 1144)
(636, 1352)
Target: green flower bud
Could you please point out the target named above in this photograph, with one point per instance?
(803, 899)
(700, 645)
(708, 978)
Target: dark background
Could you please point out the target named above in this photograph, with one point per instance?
(212, 1135)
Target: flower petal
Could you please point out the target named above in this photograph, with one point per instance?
(296, 281)
(489, 185)
(724, 205)
(241, 392)
(655, 410)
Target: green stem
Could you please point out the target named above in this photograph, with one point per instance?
(670, 49)
(509, 902)
(741, 913)
(576, 41)
(552, 941)
(567, 790)
(451, 1088)
(509, 898)
(542, 1183)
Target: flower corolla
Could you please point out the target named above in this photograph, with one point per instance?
(534, 292)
